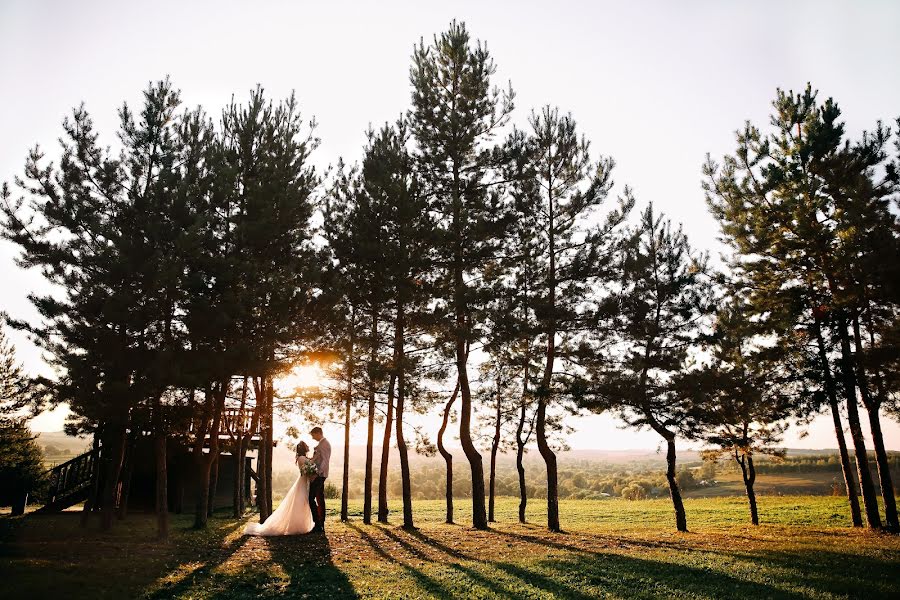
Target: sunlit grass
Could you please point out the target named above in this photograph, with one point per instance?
(612, 548)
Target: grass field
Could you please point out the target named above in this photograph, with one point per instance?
(729, 483)
(611, 548)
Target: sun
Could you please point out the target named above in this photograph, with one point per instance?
(304, 375)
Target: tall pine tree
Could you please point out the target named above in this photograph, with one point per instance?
(455, 116)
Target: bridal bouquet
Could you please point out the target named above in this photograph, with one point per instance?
(309, 469)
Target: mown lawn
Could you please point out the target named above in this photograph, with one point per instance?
(611, 548)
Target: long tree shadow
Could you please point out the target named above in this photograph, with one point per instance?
(253, 567)
(597, 542)
(842, 573)
(308, 565)
(850, 572)
(208, 559)
(825, 571)
(618, 574)
(431, 585)
(531, 579)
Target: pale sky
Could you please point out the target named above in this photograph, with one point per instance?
(655, 85)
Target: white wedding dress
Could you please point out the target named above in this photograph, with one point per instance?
(292, 517)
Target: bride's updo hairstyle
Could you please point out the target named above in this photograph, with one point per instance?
(302, 448)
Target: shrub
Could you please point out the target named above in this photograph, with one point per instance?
(634, 491)
(21, 465)
(331, 491)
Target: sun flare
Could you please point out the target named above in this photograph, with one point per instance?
(306, 375)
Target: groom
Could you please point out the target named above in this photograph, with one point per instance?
(321, 456)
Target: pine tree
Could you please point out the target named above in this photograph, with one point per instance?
(513, 330)
(558, 197)
(455, 115)
(21, 465)
(17, 390)
(499, 384)
(354, 227)
(93, 225)
(391, 175)
(797, 205)
(253, 273)
(664, 296)
(738, 405)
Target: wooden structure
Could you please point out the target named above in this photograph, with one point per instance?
(72, 481)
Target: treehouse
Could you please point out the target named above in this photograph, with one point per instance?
(77, 480)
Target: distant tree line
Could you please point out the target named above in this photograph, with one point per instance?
(473, 264)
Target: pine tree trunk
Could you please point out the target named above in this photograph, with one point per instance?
(884, 471)
(213, 484)
(748, 472)
(674, 492)
(259, 388)
(550, 460)
(831, 392)
(543, 446)
(206, 460)
(345, 475)
(479, 516)
(462, 333)
(270, 442)
(94, 493)
(160, 441)
(520, 445)
(448, 457)
(873, 405)
(385, 453)
(870, 500)
(370, 424)
(547, 379)
(846, 467)
(348, 402)
(162, 486)
(242, 457)
(237, 492)
(117, 437)
(495, 446)
(201, 514)
(128, 473)
(400, 366)
(523, 492)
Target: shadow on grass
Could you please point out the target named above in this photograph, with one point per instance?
(287, 566)
(842, 573)
(571, 576)
(524, 576)
(429, 584)
(309, 565)
(208, 558)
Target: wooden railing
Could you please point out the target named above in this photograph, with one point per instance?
(234, 423)
(71, 477)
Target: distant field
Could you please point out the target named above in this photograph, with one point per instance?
(730, 483)
(612, 548)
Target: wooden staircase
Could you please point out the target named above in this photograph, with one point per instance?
(70, 482)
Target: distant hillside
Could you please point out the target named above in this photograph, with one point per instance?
(582, 473)
(61, 441)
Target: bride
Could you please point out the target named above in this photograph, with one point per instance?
(293, 515)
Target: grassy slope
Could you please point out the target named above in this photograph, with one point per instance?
(612, 548)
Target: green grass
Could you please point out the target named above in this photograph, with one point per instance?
(730, 483)
(611, 548)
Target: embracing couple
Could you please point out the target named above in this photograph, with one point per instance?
(303, 507)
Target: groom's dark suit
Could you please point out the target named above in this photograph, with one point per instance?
(321, 456)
